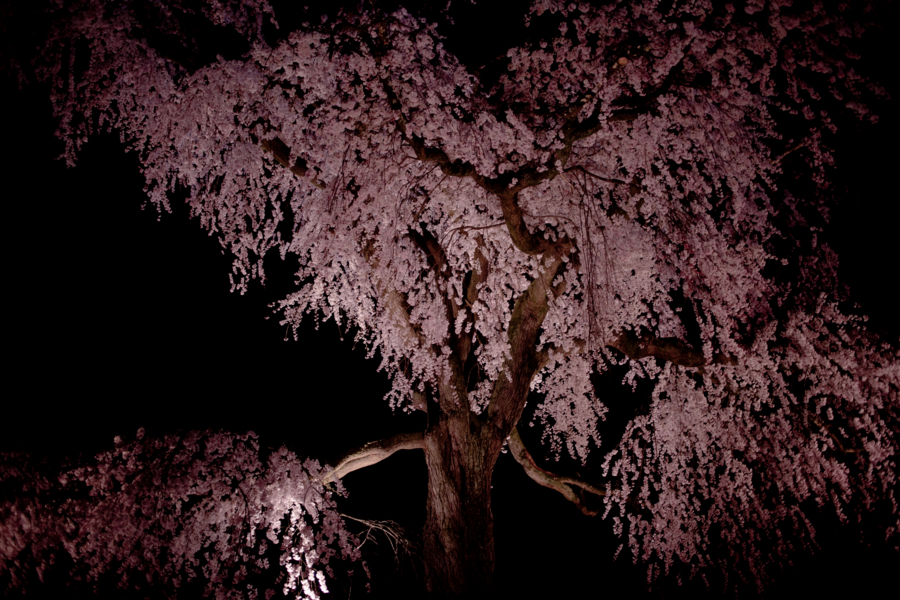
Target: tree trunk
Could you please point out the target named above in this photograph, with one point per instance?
(459, 527)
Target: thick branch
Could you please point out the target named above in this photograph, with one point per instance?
(560, 483)
(511, 389)
(669, 349)
(523, 239)
(373, 453)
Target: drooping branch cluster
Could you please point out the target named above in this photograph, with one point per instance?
(167, 512)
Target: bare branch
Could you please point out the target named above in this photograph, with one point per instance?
(777, 160)
(561, 484)
(401, 541)
(373, 453)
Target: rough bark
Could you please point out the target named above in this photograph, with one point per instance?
(458, 539)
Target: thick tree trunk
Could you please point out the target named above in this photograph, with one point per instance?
(459, 526)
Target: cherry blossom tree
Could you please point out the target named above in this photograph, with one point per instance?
(636, 188)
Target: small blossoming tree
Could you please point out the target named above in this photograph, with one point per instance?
(637, 185)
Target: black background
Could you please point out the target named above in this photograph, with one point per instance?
(117, 318)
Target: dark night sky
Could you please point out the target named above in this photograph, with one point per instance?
(117, 320)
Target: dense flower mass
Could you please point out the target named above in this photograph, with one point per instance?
(644, 185)
(168, 511)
